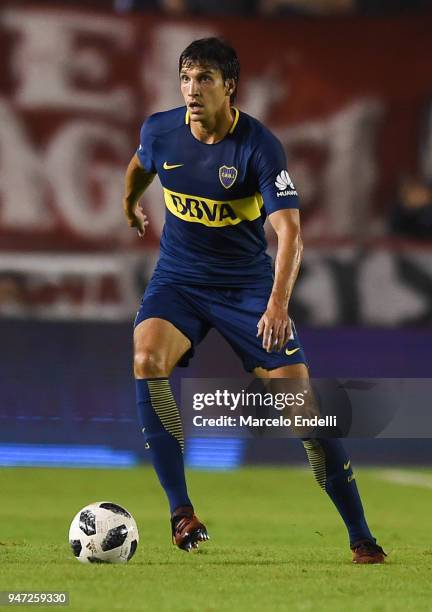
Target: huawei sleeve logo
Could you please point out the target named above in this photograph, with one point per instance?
(284, 184)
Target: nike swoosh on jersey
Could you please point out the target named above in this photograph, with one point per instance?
(288, 352)
(346, 465)
(168, 166)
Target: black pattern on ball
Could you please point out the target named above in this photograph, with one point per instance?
(76, 547)
(115, 508)
(133, 548)
(114, 538)
(96, 560)
(87, 522)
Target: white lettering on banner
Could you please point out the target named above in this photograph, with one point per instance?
(385, 300)
(258, 94)
(384, 296)
(100, 287)
(67, 169)
(22, 189)
(70, 172)
(46, 66)
(69, 68)
(349, 176)
(318, 282)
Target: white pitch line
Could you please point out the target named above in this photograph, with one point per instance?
(407, 478)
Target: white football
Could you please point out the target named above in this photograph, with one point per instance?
(103, 532)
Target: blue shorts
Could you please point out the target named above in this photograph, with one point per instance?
(234, 313)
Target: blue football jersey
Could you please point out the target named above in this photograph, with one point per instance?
(217, 197)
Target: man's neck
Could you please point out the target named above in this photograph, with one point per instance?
(215, 129)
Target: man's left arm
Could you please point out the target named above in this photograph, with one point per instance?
(275, 325)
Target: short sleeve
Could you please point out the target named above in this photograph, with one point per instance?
(144, 151)
(274, 182)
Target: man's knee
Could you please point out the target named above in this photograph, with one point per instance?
(150, 363)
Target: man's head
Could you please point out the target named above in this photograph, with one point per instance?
(209, 71)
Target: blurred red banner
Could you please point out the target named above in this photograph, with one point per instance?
(347, 96)
(350, 98)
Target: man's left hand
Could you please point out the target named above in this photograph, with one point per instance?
(274, 326)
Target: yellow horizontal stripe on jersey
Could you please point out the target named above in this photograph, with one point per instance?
(213, 213)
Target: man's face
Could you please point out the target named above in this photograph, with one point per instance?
(204, 91)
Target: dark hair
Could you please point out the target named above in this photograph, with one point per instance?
(214, 52)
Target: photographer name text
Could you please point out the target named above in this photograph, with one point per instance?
(250, 421)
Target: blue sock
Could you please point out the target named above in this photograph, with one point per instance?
(332, 469)
(160, 423)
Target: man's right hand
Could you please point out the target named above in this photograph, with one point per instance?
(137, 219)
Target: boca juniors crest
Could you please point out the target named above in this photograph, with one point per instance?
(227, 176)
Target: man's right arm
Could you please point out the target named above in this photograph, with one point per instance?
(137, 179)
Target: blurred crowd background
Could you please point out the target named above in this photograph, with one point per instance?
(347, 87)
(247, 8)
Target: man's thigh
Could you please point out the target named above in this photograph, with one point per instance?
(160, 340)
(167, 316)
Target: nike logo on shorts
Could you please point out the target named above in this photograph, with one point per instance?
(168, 166)
(288, 352)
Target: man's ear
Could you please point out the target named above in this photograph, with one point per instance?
(229, 87)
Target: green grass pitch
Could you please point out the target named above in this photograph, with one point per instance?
(276, 542)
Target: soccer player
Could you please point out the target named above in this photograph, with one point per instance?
(222, 173)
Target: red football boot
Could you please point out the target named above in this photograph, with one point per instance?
(187, 530)
(366, 551)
